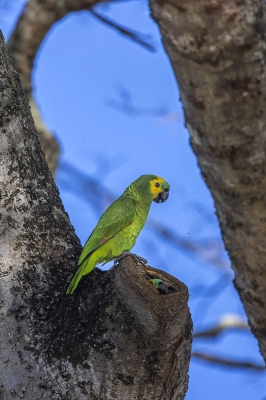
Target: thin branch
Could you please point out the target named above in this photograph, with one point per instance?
(132, 35)
(125, 105)
(136, 111)
(228, 322)
(143, 111)
(228, 363)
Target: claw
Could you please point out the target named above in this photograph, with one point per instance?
(136, 258)
(141, 259)
(120, 258)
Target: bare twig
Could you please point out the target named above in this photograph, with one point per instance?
(228, 363)
(125, 105)
(132, 35)
(227, 323)
(137, 111)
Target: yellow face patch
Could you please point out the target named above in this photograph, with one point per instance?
(156, 186)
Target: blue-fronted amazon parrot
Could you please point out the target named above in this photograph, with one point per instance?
(120, 225)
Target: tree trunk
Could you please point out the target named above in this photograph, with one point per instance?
(116, 337)
(217, 49)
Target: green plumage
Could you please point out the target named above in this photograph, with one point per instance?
(156, 282)
(120, 225)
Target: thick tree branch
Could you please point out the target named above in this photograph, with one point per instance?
(217, 49)
(35, 21)
(116, 337)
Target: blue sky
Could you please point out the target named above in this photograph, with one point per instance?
(81, 65)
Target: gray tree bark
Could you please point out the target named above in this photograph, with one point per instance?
(116, 337)
(217, 49)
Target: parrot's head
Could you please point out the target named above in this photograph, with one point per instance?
(156, 282)
(160, 189)
(151, 188)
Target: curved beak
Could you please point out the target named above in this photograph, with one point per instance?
(162, 197)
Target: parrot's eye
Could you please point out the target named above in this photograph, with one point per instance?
(157, 184)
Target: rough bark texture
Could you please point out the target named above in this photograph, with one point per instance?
(116, 337)
(48, 141)
(217, 49)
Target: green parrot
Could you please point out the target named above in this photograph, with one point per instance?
(156, 283)
(120, 225)
(161, 286)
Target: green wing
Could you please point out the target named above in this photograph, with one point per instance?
(118, 215)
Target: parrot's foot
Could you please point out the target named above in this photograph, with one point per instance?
(139, 262)
(136, 258)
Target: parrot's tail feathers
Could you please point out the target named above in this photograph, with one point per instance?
(75, 281)
(85, 268)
